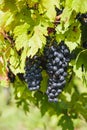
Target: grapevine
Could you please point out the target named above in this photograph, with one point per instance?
(45, 44)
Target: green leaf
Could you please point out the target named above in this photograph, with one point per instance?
(22, 59)
(81, 105)
(49, 7)
(14, 59)
(14, 62)
(68, 3)
(20, 29)
(44, 81)
(20, 34)
(71, 45)
(37, 40)
(6, 19)
(65, 18)
(78, 71)
(66, 123)
(79, 6)
(73, 34)
(81, 59)
(9, 5)
(21, 41)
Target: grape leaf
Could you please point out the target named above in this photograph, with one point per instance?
(66, 123)
(79, 6)
(22, 59)
(14, 59)
(65, 18)
(81, 59)
(70, 34)
(37, 40)
(20, 34)
(44, 82)
(14, 62)
(49, 7)
(78, 72)
(9, 5)
(6, 19)
(68, 3)
(71, 45)
(73, 34)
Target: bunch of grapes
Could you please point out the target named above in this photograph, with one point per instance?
(33, 75)
(58, 57)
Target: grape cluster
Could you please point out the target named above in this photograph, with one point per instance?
(33, 75)
(55, 61)
(57, 57)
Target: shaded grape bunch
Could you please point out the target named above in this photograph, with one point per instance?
(84, 44)
(32, 74)
(82, 18)
(21, 76)
(10, 74)
(58, 57)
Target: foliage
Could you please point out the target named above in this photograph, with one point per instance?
(23, 30)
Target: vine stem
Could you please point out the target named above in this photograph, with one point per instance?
(6, 36)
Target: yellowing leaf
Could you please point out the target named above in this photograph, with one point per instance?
(21, 41)
(37, 40)
(6, 19)
(49, 7)
(78, 72)
(20, 34)
(65, 18)
(22, 60)
(34, 43)
(19, 30)
(79, 5)
(14, 59)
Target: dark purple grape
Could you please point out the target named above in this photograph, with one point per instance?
(57, 63)
(55, 68)
(33, 74)
(57, 60)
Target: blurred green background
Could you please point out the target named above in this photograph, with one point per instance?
(13, 118)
